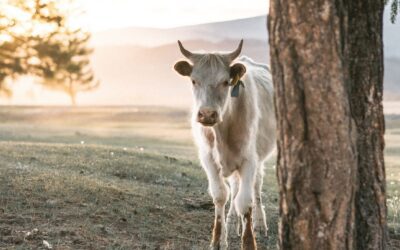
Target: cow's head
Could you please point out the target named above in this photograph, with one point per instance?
(212, 76)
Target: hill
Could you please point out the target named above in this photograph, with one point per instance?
(134, 65)
(248, 28)
(139, 75)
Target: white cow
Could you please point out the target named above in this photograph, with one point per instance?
(234, 128)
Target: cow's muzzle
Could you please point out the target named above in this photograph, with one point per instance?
(207, 117)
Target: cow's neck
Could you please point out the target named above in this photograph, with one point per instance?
(236, 119)
(238, 108)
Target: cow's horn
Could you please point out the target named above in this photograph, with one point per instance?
(233, 55)
(184, 51)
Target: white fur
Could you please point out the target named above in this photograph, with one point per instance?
(242, 139)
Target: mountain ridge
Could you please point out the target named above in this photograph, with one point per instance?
(250, 28)
(136, 68)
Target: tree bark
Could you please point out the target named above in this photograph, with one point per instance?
(316, 136)
(327, 65)
(366, 74)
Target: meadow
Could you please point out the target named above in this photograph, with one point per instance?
(122, 178)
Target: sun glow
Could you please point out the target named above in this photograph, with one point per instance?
(107, 14)
(20, 21)
(96, 15)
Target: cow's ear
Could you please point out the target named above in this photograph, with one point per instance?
(237, 70)
(183, 67)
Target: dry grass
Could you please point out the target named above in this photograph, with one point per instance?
(77, 201)
(119, 178)
(126, 200)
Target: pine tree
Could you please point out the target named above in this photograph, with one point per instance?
(394, 9)
(12, 54)
(65, 63)
(47, 48)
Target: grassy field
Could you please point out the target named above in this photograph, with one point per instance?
(120, 178)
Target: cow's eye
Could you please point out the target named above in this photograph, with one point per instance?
(226, 83)
(193, 82)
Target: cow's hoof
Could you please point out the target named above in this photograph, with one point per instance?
(260, 230)
(219, 246)
(214, 246)
(260, 227)
(233, 226)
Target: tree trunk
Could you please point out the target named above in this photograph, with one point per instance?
(72, 92)
(366, 74)
(316, 136)
(327, 65)
(72, 96)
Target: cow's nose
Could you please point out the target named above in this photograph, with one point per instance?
(208, 114)
(207, 117)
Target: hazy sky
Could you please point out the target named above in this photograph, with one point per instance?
(106, 14)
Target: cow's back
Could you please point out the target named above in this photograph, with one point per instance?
(260, 75)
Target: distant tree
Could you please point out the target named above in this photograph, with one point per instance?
(38, 41)
(394, 9)
(66, 64)
(12, 54)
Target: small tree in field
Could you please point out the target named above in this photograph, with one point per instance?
(13, 54)
(36, 39)
(66, 61)
(394, 9)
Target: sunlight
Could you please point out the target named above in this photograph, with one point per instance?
(107, 14)
(102, 15)
(24, 21)
(12, 13)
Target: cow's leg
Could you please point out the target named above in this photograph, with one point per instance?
(232, 220)
(259, 218)
(244, 202)
(248, 239)
(219, 192)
